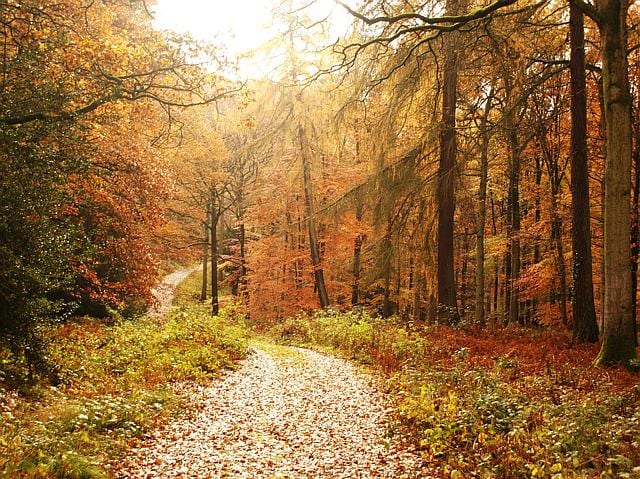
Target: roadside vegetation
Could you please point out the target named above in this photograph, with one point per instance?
(115, 383)
(492, 403)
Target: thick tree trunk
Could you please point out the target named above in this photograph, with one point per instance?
(205, 257)
(635, 235)
(447, 305)
(618, 344)
(318, 273)
(585, 327)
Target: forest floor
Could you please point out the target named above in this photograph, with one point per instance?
(178, 393)
(286, 413)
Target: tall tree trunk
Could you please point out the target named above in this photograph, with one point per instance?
(482, 211)
(387, 251)
(357, 254)
(215, 217)
(244, 292)
(556, 238)
(496, 264)
(463, 271)
(635, 233)
(447, 305)
(318, 273)
(618, 344)
(205, 257)
(585, 327)
(514, 210)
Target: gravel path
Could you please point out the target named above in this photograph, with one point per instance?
(163, 293)
(286, 413)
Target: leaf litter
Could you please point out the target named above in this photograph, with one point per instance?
(298, 415)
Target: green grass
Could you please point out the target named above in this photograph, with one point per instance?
(116, 386)
(281, 353)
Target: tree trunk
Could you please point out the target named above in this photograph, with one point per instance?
(244, 292)
(585, 327)
(556, 238)
(387, 251)
(618, 344)
(447, 305)
(215, 216)
(357, 254)
(205, 257)
(482, 211)
(635, 234)
(318, 273)
(514, 211)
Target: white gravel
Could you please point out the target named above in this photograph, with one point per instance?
(292, 413)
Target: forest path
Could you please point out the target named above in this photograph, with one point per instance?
(285, 413)
(164, 291)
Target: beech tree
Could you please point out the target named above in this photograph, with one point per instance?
(585, 327)
(618, 337)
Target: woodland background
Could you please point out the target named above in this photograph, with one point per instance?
(449, 192)
(422, 166)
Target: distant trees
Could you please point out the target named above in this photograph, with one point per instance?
(428, 165)
(481, 92)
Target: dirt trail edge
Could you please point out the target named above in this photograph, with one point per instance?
(285, 413)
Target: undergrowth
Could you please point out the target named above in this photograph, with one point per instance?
(512, 403)
(116, 385)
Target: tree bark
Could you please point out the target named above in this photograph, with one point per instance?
(205, 257)
(244, 292)
(618, 344)
(447, 305)
(514, 211)
(215, 217)
(635, 233)
(482, 212)
(585, 326)
(316, 262)
(357, 259)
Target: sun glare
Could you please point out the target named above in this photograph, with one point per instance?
(243, 26)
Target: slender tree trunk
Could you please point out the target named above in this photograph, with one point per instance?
(215, 216)
(585, 327)
(357, 253)
(496, 263)
(244, 292)
(482, 211)
(447, 305)
(205, 257)
(514, 210)
(318, 273)
(556, 238)
(463, 271)
(618, 344)
(387, 251)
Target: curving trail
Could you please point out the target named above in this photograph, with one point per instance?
(163, 293)
(285, 413)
